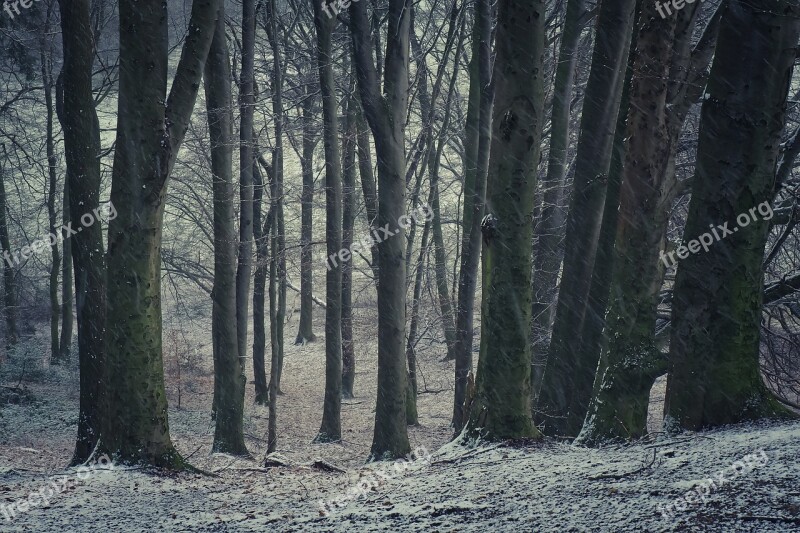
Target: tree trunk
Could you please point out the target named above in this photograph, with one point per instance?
(279, 244)
(229, 377)
(65, 343)
(567, 381)
(305, 331)
(9, 275)
(331, 428)
(82, 146)
(52, 162)
(477, 146)
(150, 130)
(261, 232)
(714, 375)
(547, 233)
(386, 113)
(348, 223)
(630, 359)
(501, 408)
(247, 101)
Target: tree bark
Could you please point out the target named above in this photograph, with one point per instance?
(714, 375)
(82, 146)
(229, 377)
(247, 101)
(386, 111)
(477, 146)
(501, 408)
(305, 331)
(331, 428)
(150, 131)
(348, 223)
(9, 276)
(567, 381)
(547, 232)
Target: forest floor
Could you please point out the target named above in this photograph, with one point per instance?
(545, 486)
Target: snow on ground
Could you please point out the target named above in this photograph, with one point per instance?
(547, 486)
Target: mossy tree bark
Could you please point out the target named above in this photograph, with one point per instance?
(386, 112)
(501, 408)
(150, 130)
(229, 377)
(714, 375)
(629, 360)
(82, 146)
(567, 380)
(331, 428)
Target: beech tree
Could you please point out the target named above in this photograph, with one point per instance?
(714, 375)
(501, 407)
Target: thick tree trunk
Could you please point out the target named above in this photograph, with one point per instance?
(567, 381)
(548, 234)
(331, 428)
(629, 359)
(229, 377)
(501, 408)
(150, 130)
(714, 375)
(82, 146)
(386, 113)
(478, 143)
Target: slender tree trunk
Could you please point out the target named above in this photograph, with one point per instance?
(368, 187)
(348, 223)
(150, 131)
(567, 381)
(279, 245)
(548, 234)
(714, 375)
(501, 408)
(9, 275)
(477, 148)
(306, 329)
(411, 354)
(82, 146)
(331, 428)
(386, 113)
(52, 161)
(247, 101)
(261, 233)
(229, 377)
(65, 343)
